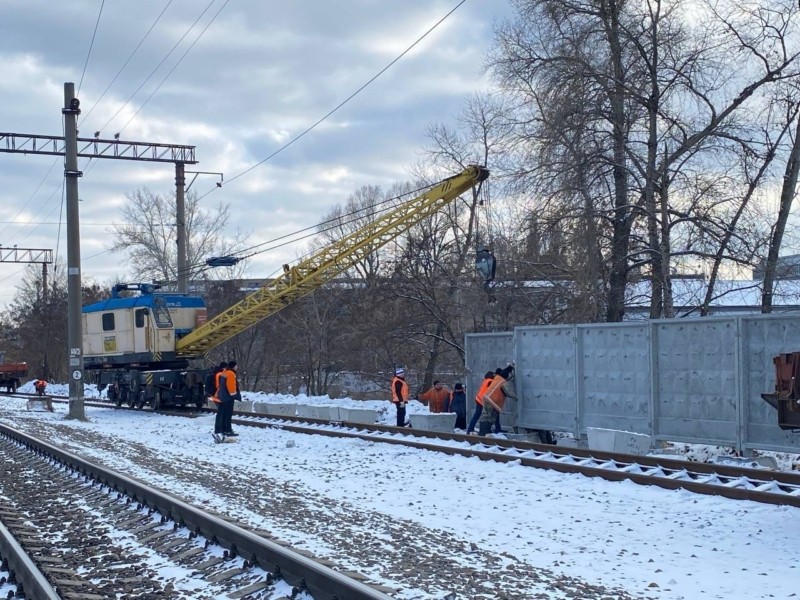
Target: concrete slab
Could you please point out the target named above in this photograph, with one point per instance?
(337, 413)
(565, 442)
(523, 437)
(278, 409)
(615, 440)
(359, 415)
(313, 412)
(41, 404)
(444, 422)
(752, 462)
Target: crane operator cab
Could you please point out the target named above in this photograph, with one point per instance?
(486, 264)
(129, 347)
(141, 329)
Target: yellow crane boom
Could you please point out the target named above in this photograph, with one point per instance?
(325, 264)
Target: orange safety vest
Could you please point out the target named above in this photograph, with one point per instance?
(494, 394)
(484, 386)
(231, 386)
(215, 397)
(403, 390)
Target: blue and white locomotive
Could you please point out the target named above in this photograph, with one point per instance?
(129, 346)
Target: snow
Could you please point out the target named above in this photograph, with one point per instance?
(651, 542)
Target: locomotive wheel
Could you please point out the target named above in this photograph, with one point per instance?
(111, 394)
(134, 394)
(157, 400)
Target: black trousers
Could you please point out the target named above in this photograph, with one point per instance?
(222, 423)
(401, 414)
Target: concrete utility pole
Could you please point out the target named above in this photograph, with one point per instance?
(71, 111)
(180, 213)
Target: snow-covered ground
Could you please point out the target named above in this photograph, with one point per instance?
(653, 543)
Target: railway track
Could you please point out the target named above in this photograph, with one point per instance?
(74, 530)
(741, 483)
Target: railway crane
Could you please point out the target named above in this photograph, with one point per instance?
(140, 347)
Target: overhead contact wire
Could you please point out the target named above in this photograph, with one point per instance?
(158, 66)
(130, 57)
(341, 104)
(175, 66)
(91, 45)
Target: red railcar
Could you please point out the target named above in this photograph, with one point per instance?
(786, 397)
(12, 374)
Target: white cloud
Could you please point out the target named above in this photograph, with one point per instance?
(258, 77)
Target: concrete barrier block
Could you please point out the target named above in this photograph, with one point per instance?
(444, 422)
(337, 413)
(614, 440)
(211, 404)
(360, 415)
(242, 406)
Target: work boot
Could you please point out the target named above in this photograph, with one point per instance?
(484, 428)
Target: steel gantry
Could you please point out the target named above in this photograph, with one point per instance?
(23, 143)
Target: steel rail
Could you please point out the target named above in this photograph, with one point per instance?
(740, 483)
(322, 582)
(32, 583)
(616, 468)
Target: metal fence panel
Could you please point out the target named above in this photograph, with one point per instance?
(485, 352)
(697, 380)
(614, 371)
(545, 377)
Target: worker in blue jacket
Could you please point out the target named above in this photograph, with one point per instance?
(458, 405)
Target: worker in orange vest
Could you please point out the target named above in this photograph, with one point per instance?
(40, 385)
(487, 380)
(228, 392)
(400, 395)
(494, 398)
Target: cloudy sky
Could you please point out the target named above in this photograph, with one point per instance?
(247, 78)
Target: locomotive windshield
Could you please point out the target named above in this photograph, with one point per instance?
(161, 313)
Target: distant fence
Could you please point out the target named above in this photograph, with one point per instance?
(691, 380)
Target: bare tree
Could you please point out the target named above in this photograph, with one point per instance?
(148, 235)
(35, 323)
(788, 192)
(640, 100)
(361, 207)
